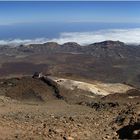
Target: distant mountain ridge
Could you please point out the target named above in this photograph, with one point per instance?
(105, 49)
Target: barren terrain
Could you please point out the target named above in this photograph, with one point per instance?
(30, 109)
(85, 93)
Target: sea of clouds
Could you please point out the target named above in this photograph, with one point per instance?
(129, 36)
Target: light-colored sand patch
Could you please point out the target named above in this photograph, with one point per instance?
(96, 88)
(119, 66)
(114, 88)
(21, 56)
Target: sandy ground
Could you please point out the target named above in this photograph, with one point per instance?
(97, 88)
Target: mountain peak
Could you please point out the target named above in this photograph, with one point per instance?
(51, 44)
(71, 44)
(110, 43)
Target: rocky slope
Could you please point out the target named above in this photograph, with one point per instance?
(23, 116)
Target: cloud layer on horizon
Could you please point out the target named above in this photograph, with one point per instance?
(129, 36)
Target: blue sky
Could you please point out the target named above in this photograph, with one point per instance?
(24, 12)
(66, 20)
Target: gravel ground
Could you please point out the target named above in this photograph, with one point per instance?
(112, 117)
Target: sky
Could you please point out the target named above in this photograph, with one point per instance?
(62, 20)
(24, 12)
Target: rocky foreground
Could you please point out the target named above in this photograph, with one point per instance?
(33, 109)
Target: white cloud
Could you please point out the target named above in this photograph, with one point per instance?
(124, 35)
(16, 42)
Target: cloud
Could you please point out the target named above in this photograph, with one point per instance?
(130, 36)
(124, 35)
(16, 42)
